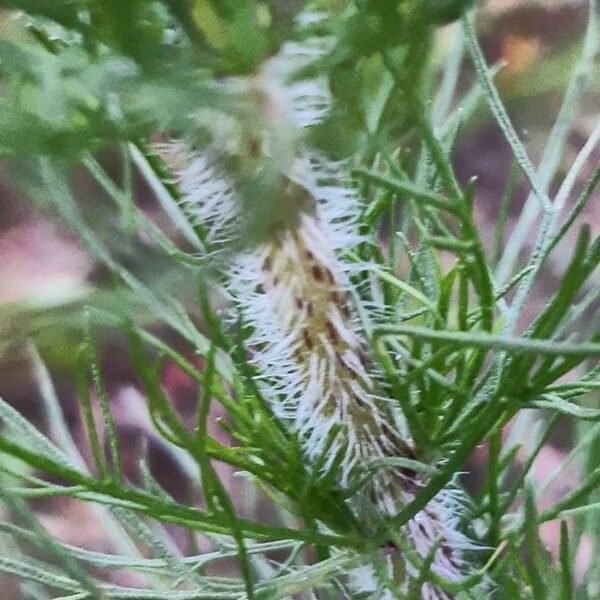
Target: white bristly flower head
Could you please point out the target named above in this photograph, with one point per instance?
(295, 293)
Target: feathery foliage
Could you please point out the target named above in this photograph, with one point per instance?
(457, 357)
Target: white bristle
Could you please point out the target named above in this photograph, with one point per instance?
(295, 294)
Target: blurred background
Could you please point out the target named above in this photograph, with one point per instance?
(43, 266)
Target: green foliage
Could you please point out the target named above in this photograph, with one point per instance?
(81, 76)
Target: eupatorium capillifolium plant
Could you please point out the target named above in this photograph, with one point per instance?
(322, 258)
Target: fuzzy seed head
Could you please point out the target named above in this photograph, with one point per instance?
(308, 345)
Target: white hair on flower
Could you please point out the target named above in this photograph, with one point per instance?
(308, 346)
(305, 100)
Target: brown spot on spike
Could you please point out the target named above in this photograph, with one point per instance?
(307, 340)
(317, 273)
(298, 302)
(309, 255)
(409, 453)
(267, 264)
(449, 555)
(309, 309)
(432, 515)
(329, 275)
(331, 332)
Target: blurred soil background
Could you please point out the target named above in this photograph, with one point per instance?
(43, 265)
